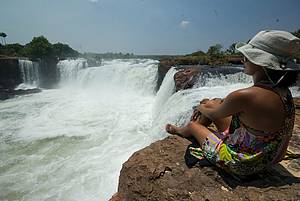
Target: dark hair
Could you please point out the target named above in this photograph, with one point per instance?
(288, 80)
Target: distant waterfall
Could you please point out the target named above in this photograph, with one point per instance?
(84, 130)
(30, 73)
(121, 75)
(69, 69)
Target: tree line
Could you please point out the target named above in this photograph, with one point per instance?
(39, 47)
(216, 55)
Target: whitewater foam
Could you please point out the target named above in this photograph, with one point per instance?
(69, 143)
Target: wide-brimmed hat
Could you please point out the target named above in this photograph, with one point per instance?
(272, 49)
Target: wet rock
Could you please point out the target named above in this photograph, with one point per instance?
(49, 73)
(158, 172)
(186, 78)
(10, 93)
(10, 75)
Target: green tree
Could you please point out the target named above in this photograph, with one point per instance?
(12, 49)
(39, 47)
(215, 50)
(231, 49)
(215, 54)
(63, 50)
(198, 53)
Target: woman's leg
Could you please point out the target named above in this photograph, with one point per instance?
(198, 128)
(194, 129)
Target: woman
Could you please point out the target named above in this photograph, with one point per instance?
(255, 124)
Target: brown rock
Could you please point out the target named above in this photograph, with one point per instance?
(234, 59)
(158, 173)
(10, 75)
(186, 78)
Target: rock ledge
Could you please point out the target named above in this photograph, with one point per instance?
(158, 172)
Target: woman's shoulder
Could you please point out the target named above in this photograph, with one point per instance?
(255, 91)
(255, 95)
(244, 93)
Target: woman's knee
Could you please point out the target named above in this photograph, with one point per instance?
(190, 124)
(193, 124)
(213, 102)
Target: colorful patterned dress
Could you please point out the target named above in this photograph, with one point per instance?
(241, 152)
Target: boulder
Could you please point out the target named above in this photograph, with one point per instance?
(186, 78)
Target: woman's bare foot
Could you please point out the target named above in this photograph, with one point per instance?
(175, 130)
(172, 129)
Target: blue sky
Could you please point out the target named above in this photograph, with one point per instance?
(145, 26)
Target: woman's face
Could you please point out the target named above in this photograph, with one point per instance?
(250, 68)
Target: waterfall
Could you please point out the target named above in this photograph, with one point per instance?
(119, 75)
(166, 89)
(30, 74)
(176, 108)
(69, 69)
(84, 130)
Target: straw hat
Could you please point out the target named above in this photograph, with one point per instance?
(272, 49)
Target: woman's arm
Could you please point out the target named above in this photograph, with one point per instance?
(234, 103)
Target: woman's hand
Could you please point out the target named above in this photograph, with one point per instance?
(209, 103)
(206, 106)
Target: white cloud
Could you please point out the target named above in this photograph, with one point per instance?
(93, 1)
(184, 24)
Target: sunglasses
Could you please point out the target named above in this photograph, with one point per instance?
(245, 60)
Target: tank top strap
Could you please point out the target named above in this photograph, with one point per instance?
(285, 96)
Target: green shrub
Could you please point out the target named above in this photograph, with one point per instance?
(39, 47)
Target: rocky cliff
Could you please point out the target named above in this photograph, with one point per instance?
(10, 75)
(49, 75)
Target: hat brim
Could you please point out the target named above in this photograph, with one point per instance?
(265, 59)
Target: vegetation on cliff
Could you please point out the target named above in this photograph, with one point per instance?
(215, 55)
(39, 47)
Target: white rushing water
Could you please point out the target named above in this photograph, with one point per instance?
(29, 73)
(70, 143)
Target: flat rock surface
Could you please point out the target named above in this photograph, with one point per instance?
(158, 172)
